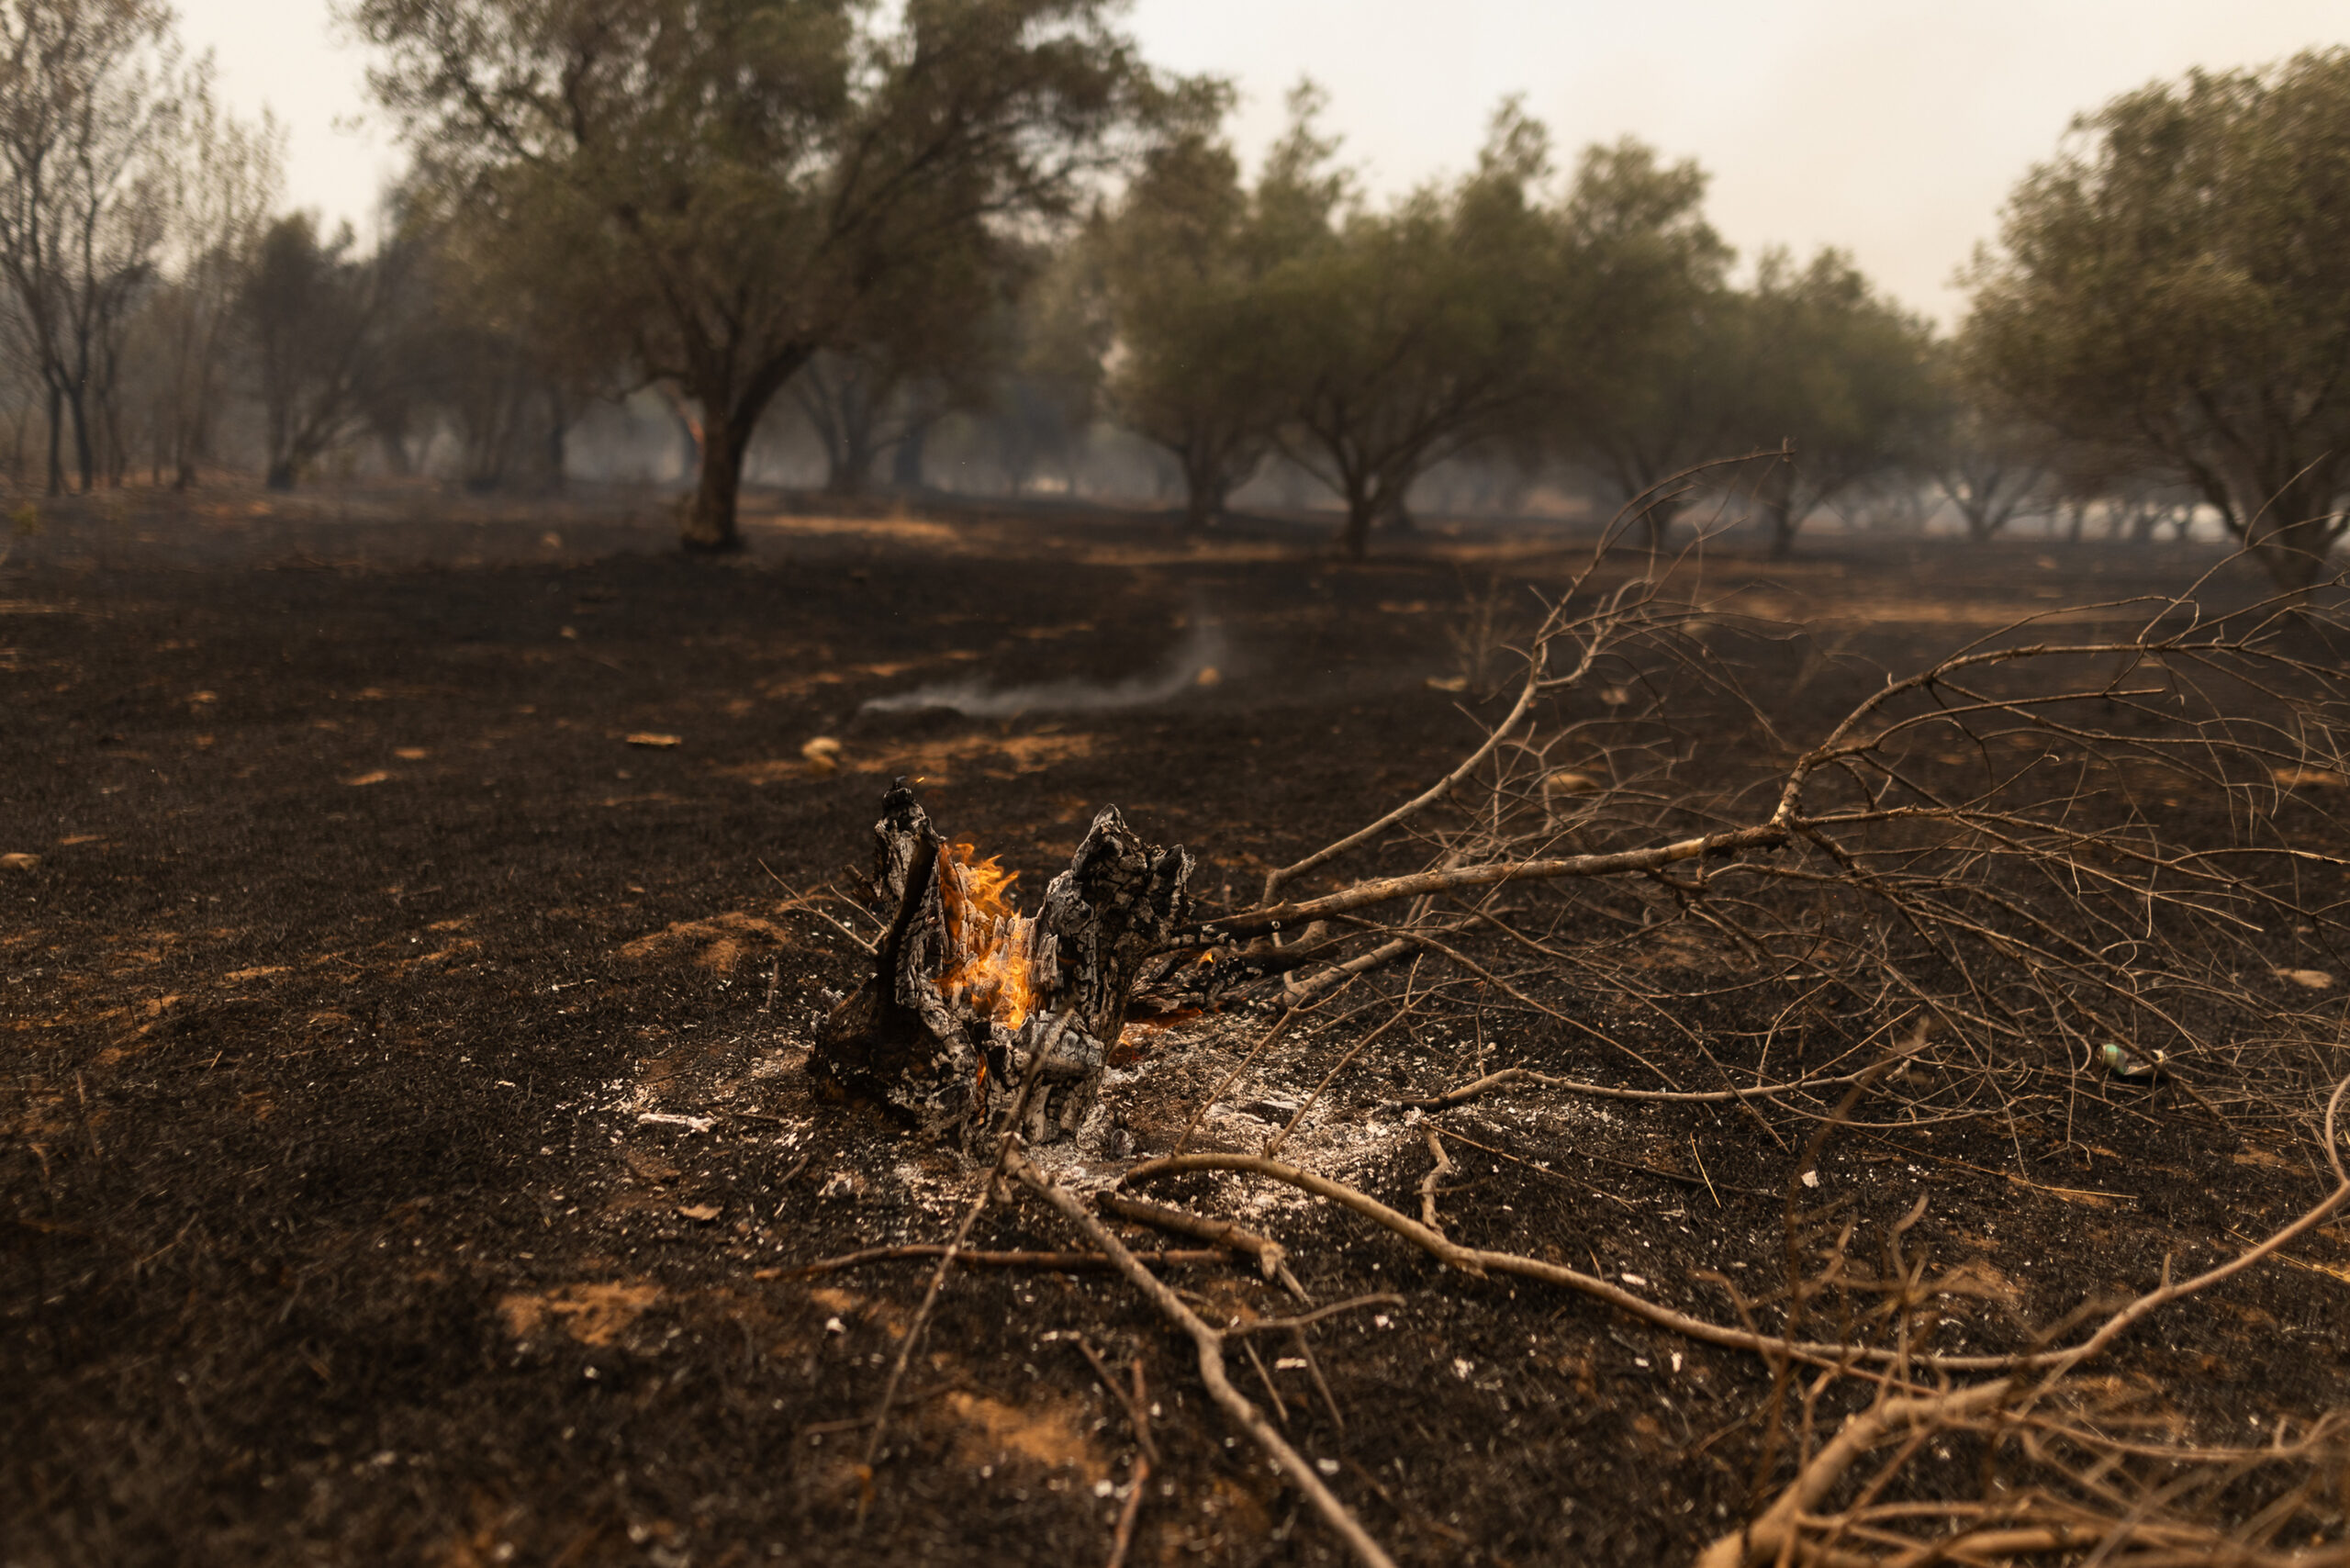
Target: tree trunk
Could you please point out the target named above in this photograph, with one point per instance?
(56, 439)
(2292, 528)
(1657, 522)
(1354, 536)
(85, 453)
(964, 995)
(1204, 493)
(905, 463)
(281, 473)
(558, 426)
(848, 469)
(710, 522)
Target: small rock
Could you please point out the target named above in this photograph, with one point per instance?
(2315, 979)
(700, 1214)
(18, 862)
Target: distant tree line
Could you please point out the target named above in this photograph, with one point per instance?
(878, 225)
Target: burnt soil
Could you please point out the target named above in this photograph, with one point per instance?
(363, 957)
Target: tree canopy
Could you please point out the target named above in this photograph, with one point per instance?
(729, 183)
(2172, 288)
(1179, 267)
(1835, 372)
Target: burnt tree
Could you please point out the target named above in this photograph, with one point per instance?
(965, 993)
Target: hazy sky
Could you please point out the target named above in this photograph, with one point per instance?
(1892, 128)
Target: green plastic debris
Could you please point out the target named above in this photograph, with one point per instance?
(2121, 1064)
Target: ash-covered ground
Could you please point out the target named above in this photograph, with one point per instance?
(404, 1154)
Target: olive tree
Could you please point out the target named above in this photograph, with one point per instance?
(2171, 286)
(1193, 358)
(1414, 334)
(1835, 373)
(730, 181)
(313, 313)
(1660, 322)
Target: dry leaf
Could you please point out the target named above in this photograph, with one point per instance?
(1448, 683)
(376, 778)
(411, 753)
(700, 1214)
(2316, 979)
(823, 754)
(2310, 778)
(652, 738)
(18, 862)
(1569, 783)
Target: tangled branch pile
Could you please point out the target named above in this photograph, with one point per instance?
(2085, 860)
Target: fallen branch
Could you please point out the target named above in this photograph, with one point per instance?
(1387, 889)
(1480, 1263)
(1510, 1075)
(1774, 1535)
(1018, 1258)
(1307, 1319)
(1004, 1152)
(1270, 1254)
(1210, 1346)
(1437, 1174)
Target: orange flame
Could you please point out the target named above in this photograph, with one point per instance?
(989, 944)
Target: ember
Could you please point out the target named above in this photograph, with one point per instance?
(990, 946)
(965, 990)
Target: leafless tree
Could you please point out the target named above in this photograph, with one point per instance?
(91, 99)
(223, 187)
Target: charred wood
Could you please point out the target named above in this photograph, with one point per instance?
(964, 991)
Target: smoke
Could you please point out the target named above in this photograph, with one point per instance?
(1197, 662)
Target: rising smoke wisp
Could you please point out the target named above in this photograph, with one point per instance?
(1198, 661)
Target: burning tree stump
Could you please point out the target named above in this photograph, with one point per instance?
(965, 990)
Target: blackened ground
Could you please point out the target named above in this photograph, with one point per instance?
(403, 1150)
